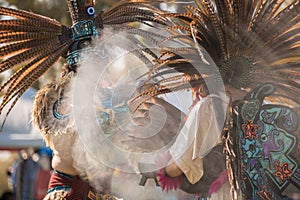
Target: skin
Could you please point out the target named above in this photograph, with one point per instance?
(172, 169)
(62, 160)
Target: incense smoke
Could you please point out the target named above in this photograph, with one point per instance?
(112, 140)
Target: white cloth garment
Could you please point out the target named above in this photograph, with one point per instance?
(200, 133)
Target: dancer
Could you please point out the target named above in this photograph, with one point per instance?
(33, 43)
(251, 46)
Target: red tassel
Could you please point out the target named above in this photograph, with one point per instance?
(166, 182)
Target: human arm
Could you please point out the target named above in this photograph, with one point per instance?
(172, 169)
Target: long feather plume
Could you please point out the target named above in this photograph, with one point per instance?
(30, 46)
(32, 43)
(249, 41)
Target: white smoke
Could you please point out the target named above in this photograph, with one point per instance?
(110, 67)
(109, 140)
(126, 186)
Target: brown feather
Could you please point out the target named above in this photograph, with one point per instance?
(20, 58)
(16, 47)
(22, 14)
(24, 78)
(32, 22)
(13, 36)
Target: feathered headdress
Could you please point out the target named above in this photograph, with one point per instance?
(250, 41)
(32, 43)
